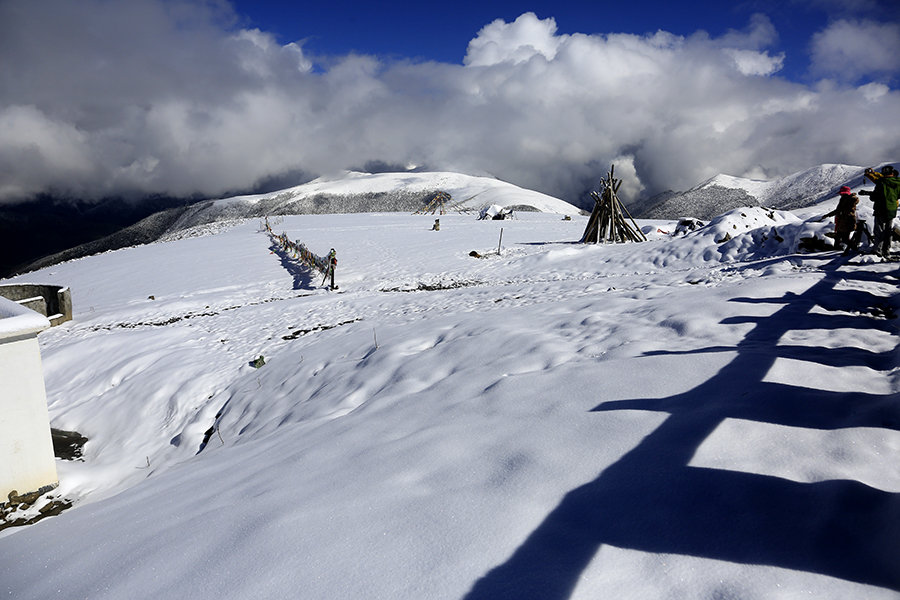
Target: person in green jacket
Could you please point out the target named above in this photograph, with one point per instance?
(884, 197)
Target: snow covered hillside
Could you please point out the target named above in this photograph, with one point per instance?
(690, 417)
(725, 192)
(346, 192)
(352, 192)
(467, 192)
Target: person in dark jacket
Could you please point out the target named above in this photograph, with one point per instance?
(862, 229)
(884, 197)
(844, 217)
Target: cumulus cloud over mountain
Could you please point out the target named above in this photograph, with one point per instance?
(171, 98)
(857, 48)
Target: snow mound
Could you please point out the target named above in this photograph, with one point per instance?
(755, 232)
(743, 234)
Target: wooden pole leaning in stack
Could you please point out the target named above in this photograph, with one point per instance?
(608, 222)
(435, 204)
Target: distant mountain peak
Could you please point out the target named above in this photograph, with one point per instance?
(754, 187)
(726, 192)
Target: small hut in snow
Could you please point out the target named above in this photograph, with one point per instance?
(495, 212)
(608, 221)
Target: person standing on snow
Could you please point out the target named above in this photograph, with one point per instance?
(331, 266)
(844, 217)
(884, 197)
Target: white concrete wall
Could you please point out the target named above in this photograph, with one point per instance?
(27, 463)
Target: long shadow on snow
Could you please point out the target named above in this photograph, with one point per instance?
(303, 276)
(653, 500)
(833, 357)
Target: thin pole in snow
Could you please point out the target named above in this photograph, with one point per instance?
(500, 242)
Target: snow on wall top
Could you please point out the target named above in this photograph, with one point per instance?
(16, 320)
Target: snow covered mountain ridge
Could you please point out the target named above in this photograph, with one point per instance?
(467, 192)
(342, 193)
(355, 192)
(726, 192)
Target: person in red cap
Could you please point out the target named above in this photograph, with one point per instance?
(844, 217)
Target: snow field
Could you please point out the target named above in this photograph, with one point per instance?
(477, 437)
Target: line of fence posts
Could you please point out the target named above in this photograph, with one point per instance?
(326, 265)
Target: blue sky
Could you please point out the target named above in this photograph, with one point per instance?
(423, 31)
(135, 98)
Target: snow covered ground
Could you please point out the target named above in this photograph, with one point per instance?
(682, 418)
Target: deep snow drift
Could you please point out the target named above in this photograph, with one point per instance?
(682, 418)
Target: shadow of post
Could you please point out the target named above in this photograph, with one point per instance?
(653, 500)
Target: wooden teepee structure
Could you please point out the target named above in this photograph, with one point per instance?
(436, 204)
(608, 219)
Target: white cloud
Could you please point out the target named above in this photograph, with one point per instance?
(135, 99)
(38, 153)
(853, 49)
(750, 62)
(874, 91)
(262, 49)
(514, 42)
